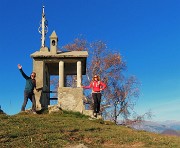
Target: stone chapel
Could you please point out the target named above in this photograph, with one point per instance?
(50, 61)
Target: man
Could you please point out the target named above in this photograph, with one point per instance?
(29, 89)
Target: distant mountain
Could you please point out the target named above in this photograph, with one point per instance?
(150, 126)
(173, 124)
(158, 127)
(171, 132)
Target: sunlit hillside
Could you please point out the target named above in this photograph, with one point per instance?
(67, 129)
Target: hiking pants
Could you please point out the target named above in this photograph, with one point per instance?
(97, 102)
(31, 96)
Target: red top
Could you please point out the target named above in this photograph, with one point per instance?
(96, 86)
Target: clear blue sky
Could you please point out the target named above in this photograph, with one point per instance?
(146, 33)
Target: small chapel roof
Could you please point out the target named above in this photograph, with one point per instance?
(61, 54)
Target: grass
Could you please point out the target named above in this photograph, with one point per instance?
(63, 129)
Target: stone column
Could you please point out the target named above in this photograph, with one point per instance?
(61, 74)
(79, 74)
(38, 67)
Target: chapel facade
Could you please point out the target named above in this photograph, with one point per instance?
(49, 62)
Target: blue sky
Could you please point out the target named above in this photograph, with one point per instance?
(145, 32)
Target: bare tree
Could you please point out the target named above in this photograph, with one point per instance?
(120, 96)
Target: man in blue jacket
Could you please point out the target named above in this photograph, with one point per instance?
(29, 89)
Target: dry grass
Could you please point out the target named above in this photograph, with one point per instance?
(66, 128)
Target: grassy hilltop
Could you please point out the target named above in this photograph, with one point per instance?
(67, 129)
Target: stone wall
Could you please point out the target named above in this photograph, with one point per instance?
(71, 99)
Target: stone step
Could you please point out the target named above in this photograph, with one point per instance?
(88, 112)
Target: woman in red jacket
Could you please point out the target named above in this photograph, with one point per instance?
(97, 86)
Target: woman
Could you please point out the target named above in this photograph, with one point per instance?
(97, 86)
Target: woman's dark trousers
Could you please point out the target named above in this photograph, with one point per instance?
(97, 102)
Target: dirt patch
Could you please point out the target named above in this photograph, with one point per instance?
(77, 146)
(109, 144)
